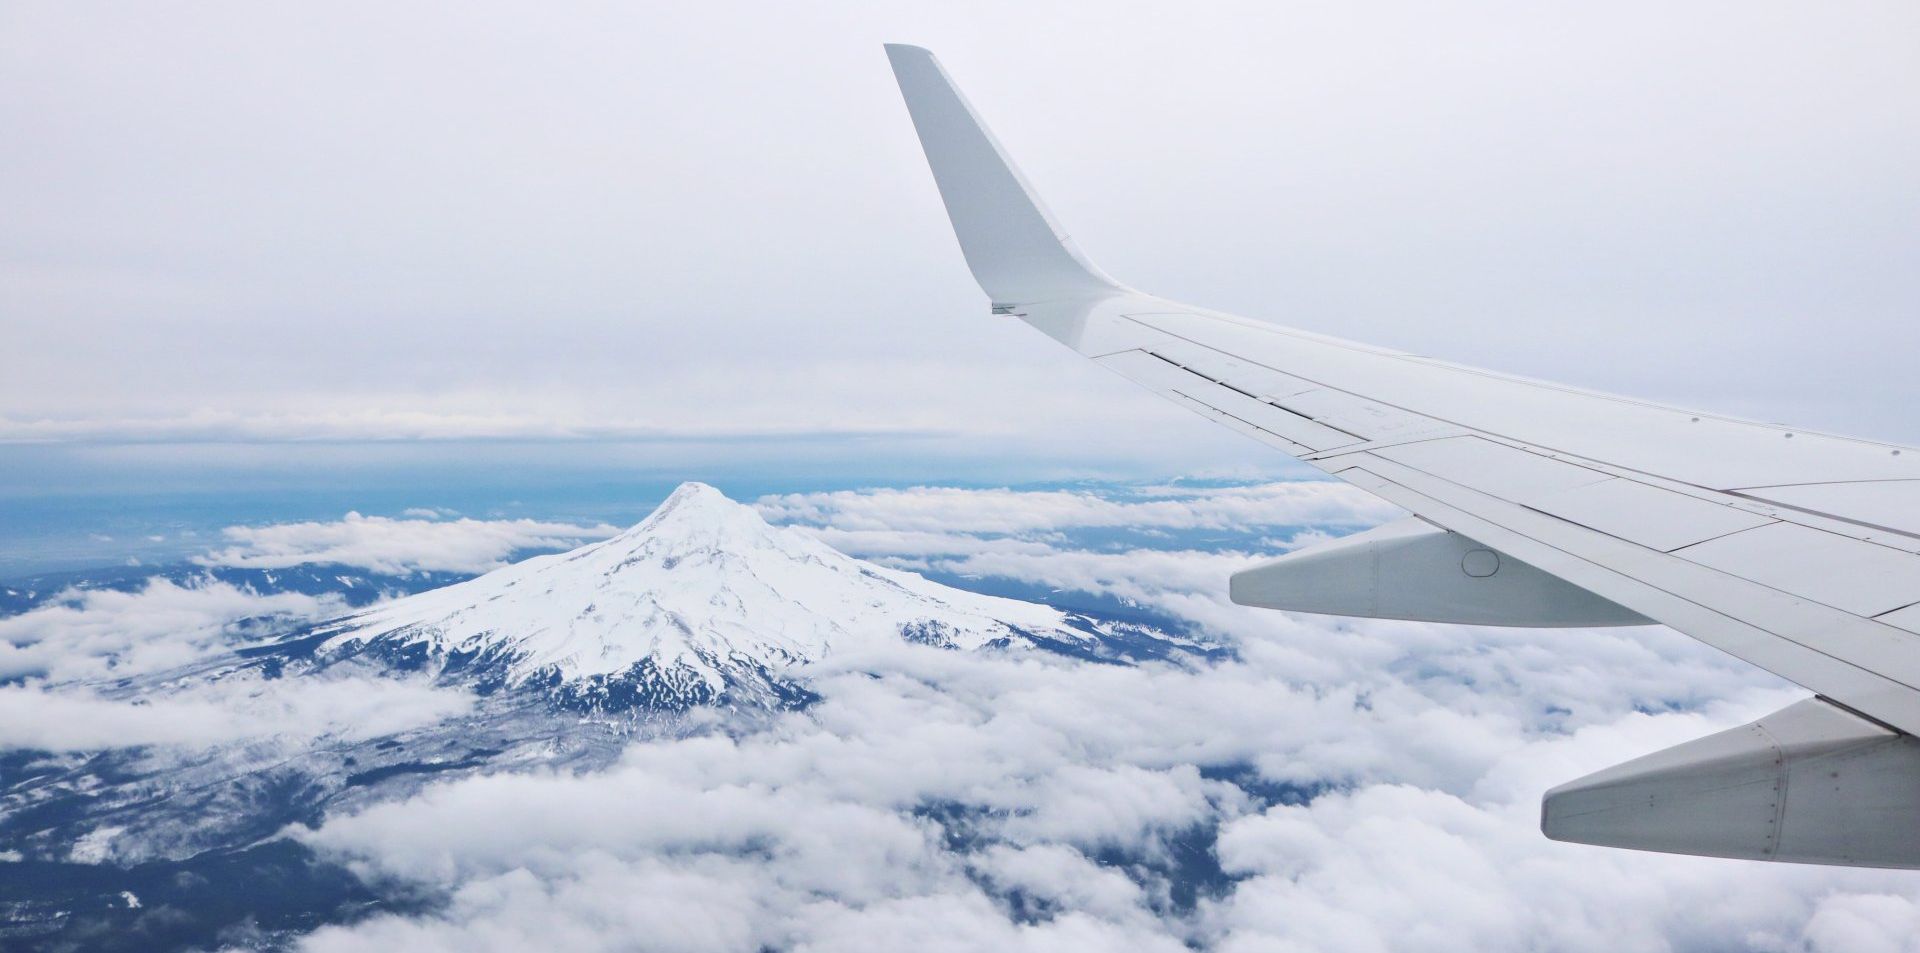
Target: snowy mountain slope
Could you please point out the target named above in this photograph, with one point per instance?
(700, 601)
(702, 614)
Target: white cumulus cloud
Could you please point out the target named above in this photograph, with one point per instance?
(937, 509)
(387, 545)
(96, 632)
(1335, 785)
(203, 714)
(1339, 785)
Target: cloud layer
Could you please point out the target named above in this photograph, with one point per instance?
(1005, 511)
(1337, 785)
(55, 660)
(529, 261)
(396, 546)
(964, 802)
(1341, 785)
(104, 632)
(293, 711)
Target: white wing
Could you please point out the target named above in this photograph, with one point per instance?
(1796, 551)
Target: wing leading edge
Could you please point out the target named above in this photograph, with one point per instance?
(1795, 551)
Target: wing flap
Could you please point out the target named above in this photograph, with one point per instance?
(1653, 517)
(1890, 509)
(1831, 569)
(1906, 617)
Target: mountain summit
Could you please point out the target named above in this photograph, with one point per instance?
(701, 601)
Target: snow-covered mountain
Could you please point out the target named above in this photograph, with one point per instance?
(569, 657)
(702, 601)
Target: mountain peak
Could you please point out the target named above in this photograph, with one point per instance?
(699, 595)
(693, 500)
(698, 516)
(695, 493)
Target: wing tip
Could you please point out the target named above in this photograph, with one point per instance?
(895, 51)
(1016, 250)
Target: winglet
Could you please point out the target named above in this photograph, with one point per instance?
(1017, 252)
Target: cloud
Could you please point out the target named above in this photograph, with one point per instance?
(823, 406)
(601, 905)
(1062, 876)
(804, 838)
(1075, 784)
(201, 714)
(541, 244)
(100, 632)
(386, 545)
(1044, 536)
(934, 509)
(818, 823)
(1862, 923)
(69, 659)
(1339, 785)
(1142, 575)
(1393, 867)
(874, 543)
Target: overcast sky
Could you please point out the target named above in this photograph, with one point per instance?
(271, 222)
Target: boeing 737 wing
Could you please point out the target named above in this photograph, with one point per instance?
(1539, 505)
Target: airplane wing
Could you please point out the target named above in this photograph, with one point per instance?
(1538, 504)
